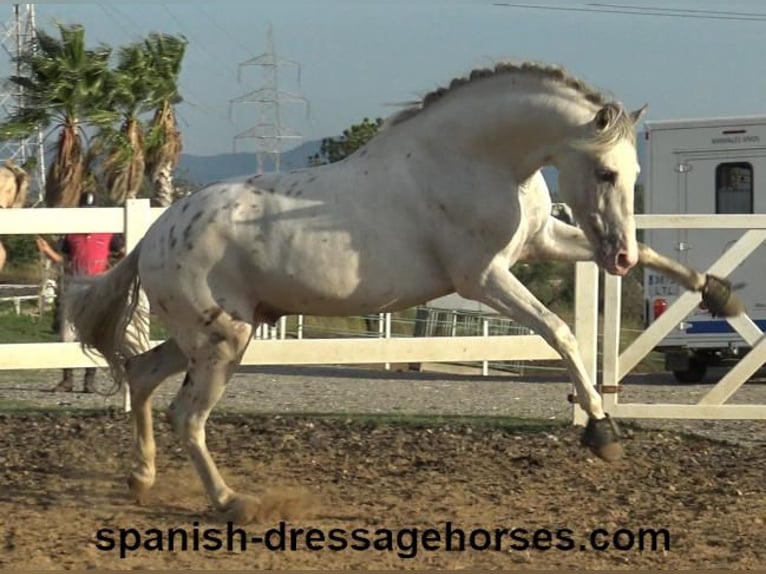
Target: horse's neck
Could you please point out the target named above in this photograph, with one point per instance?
(515, 126)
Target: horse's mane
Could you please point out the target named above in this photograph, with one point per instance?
(556, 74)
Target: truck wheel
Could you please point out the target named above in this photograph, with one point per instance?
(695, 373)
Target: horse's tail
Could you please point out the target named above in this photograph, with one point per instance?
(108, 314)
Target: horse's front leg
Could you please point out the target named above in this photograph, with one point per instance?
(564, 242)
(501, 290)
(716, 291)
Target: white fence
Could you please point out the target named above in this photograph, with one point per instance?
(135, 218)
(618, 363)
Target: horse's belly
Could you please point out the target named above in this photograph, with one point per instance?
(344, 283)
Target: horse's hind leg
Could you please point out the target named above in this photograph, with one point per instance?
(214, 356)
(145, 373)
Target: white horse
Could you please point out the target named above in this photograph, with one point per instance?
(445, 198)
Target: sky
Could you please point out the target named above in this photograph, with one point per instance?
(359, 58)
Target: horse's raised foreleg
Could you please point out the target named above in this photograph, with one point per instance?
(145, 372)
(716, 291)
(564, 242)
(214, 355)
(501, 290)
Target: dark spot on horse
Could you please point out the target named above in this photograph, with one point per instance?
(312, 179)
(187, 378)
(271, 190)
(172, 236)
(178, 266)
(185, 207)
(299, 193)
(363, 152)
(409, 154)
(365, 172)
(265, 313)
(442, 207)
(210, 315)
(216, 338)
(236, 205)
(255, 191)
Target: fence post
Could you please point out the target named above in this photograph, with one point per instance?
(611, 359)
(484, 333)
(138, 218)
(586, 325)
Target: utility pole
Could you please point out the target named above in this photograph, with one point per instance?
(269, 131)
(18, 37)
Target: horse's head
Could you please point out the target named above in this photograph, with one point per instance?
(597, 175)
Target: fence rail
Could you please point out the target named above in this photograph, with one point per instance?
(135, 218)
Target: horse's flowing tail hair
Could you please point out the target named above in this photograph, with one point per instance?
(109, 315)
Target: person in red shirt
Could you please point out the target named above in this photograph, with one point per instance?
(80, 254)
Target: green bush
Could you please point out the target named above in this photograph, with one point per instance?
(21, 249)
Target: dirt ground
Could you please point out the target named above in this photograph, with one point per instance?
(63, 480)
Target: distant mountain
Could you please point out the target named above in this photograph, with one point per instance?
(204, 169)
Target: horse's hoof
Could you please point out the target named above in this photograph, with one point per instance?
(603, 438)
(242, 509)
(138, 488)
(719, 299)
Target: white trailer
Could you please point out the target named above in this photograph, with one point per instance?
(704, 167)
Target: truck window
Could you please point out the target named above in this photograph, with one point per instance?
(734, 188)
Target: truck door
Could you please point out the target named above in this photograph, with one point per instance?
(722, 184)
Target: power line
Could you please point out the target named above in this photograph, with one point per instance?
(640, 11)
(226, 33)
(687, 10)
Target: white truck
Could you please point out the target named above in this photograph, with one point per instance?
(704, 166)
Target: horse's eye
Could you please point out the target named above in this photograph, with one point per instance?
(606, 176)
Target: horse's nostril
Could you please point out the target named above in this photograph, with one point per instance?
(623, 260)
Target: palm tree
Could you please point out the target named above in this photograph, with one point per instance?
(163, 139)
(128, 89)
(63, 89)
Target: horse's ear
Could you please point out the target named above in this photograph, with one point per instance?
(638, 114)
(605, 117)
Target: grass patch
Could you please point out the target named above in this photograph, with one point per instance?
(13, 406)
(514, 425)
(26, 328)
(411, 421)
